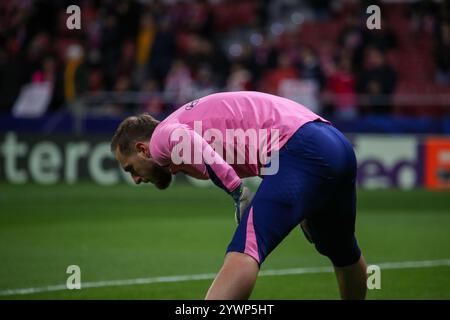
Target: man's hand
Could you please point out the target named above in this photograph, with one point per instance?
(242, 197)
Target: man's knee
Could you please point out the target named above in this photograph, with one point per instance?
(241, 260)
(241, 266)
(341, 253)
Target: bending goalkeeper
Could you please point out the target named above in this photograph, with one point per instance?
(308, 171)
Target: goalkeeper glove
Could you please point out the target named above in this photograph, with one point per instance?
(242, 197)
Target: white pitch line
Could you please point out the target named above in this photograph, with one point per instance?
(210, 276)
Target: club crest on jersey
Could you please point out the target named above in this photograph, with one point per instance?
(192, 104)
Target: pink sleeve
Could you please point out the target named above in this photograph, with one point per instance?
(179, 144)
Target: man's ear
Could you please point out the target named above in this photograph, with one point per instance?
(142, 149)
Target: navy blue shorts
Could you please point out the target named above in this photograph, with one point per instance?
(315, 184)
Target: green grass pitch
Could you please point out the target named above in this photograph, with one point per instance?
(123, 232)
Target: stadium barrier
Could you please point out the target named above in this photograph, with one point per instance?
(102, 111)
(384, 161)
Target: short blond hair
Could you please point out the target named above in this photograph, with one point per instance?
(132, 130)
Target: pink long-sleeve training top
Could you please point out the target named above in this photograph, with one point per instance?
(201, 138)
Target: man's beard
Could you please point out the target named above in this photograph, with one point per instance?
(163, 177)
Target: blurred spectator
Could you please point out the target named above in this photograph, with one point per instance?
(75, 73)
(442, 54)
(285, 70)
(239, 79)
(153, 103)
(146, 36)
(127, 60)
(377, 81)
(122, 104)
(37, 51)
(353, 39)
(326, 57)
(204, 84)
(341, 85)
(198, 52)
(162, 51)
(383, 39)
(126, 12)
(309, 67)
(109, 48)
(12, 76)
(95, 81)
(265, 58)
(179, 83)
(421, 16)
(200, 18)
(42, 93)
(321, 8)
(50, 73)
(219, 45)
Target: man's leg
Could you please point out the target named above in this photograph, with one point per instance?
(236, 279)
(352, 280)
(262, 227)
